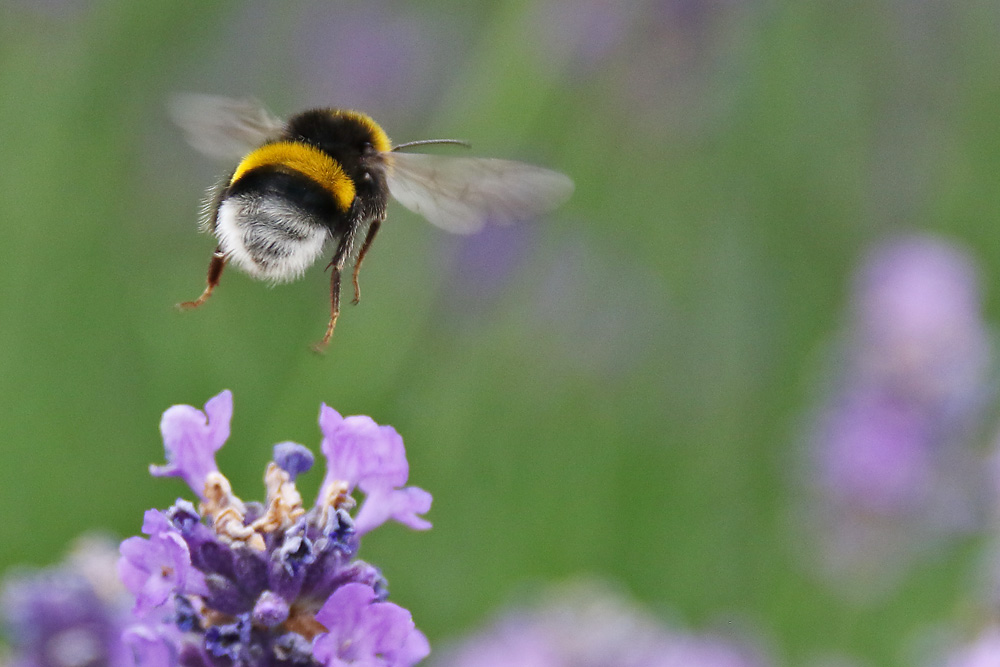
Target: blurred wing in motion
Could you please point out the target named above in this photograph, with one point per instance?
(222, 127)
(461, 194)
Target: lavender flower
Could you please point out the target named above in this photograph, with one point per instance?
(891, 461)
(71, 615)
(373, 56)
(984, 651)
(587, 625)
(235, 583)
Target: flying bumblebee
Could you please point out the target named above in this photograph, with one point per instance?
(323, 178)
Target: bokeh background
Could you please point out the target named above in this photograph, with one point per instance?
(623, 390)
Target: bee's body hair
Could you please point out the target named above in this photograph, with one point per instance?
(268, 237)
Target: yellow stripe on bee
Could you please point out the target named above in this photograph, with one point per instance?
(308, 161)
(380, 140)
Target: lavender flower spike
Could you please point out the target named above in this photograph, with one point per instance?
(589, 623)
(361, 454)
(983, 651)
(69, 614)
(191, 438)
(893, 467)
(275, 583)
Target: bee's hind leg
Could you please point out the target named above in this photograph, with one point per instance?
(336, 267)
(215, 267)
(334, 309)
(372, 231)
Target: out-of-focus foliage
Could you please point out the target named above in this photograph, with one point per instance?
(617, 390)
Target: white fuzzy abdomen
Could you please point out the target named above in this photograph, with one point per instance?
(269, 238)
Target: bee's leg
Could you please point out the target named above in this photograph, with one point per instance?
(336, 268)
(372, 231)
(334, 310)
(214, 274)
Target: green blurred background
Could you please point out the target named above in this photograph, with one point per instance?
(615, 390)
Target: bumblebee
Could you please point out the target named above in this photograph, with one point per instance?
(323, 178)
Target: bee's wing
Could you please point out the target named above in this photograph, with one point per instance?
(222, 127)
(461, 194)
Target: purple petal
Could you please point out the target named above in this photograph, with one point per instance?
(360, 630)
(149, 647)
(155, 522)
(414, 649)
(134, 572)
(362, 453)
(154, 569)
(402, 505)
(191, 438)
(342, 610)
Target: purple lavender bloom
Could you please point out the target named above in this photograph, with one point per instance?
(234, 583)
(191, 438)
(575, 34)
(383, 57)
(891, 461)
(155, 569)
(360, 626)
(151, 646)
(371, 457)
(983, 651)
(483, 266)
(71, 615)
(589, 626)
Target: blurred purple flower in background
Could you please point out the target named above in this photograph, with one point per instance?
(389, 59)
(482, 268)
(376, 56)
(274, 583)
(657, 59)
(983, 651)
(566, 306)
(891, 456)
(582, 33)
(589, 625)
(70, 615)
(975, 640)
(593, 323)
(981, 648)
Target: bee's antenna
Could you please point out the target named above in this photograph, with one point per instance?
(425, 142)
